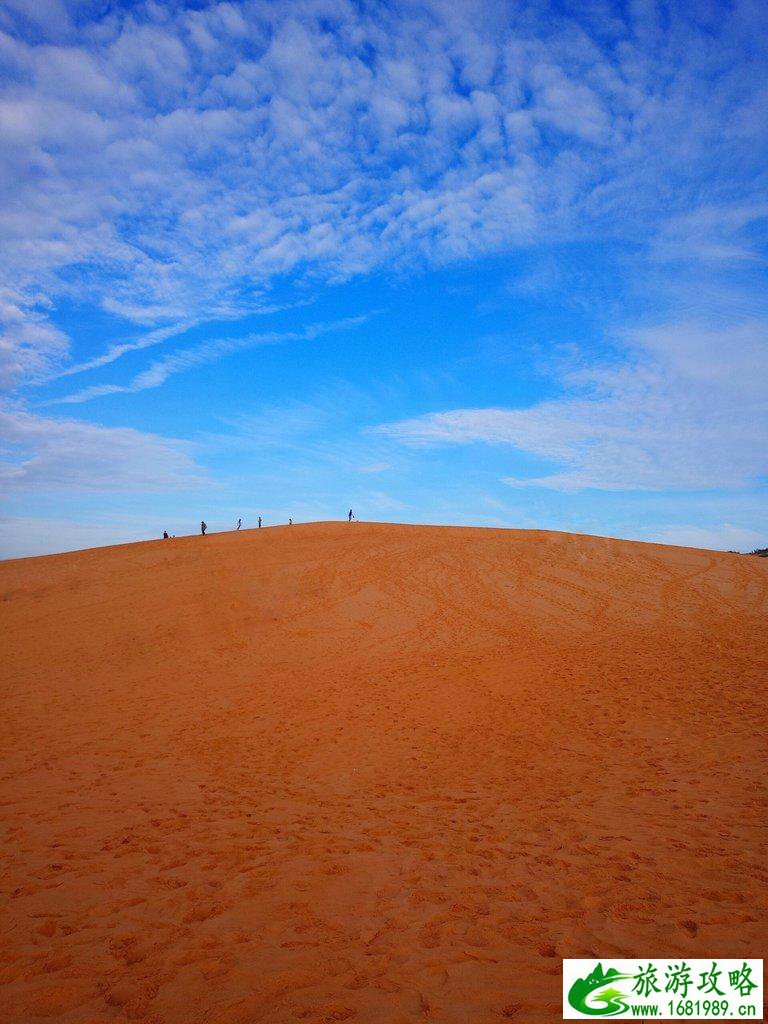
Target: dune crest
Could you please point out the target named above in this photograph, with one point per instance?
(373, 773)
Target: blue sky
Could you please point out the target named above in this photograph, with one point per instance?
(494, 264)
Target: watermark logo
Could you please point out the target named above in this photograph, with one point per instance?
(722, 989)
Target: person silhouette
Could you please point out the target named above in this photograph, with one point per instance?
(165, 535)
(349, 517)
(259, 522)
(290, 522)
(239, 523)
(203, 526)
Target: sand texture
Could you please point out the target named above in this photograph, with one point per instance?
(373, 773)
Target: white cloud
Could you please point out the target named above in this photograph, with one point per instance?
(160, 370)
(43, 454)
(711, 233)
(687, 409)
(168, 163)
(114, 352)
(29, 344)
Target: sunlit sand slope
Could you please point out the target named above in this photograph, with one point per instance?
(373, 773)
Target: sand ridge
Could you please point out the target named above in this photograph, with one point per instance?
(373, 773)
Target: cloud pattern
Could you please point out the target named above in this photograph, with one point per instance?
(175, 161)
(172, 164)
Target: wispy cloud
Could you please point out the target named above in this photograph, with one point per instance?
(712, 233)
(685, 409)
(199, 355)
(162, 334)
(114, 352)
(47, 454)
(29, 343)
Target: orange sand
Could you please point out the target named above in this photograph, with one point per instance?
(373, 773)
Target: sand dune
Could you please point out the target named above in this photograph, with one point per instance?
(373, 773)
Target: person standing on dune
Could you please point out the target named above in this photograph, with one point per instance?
(203, 526)
(259, 522)
(239, 524)
(350, 516)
